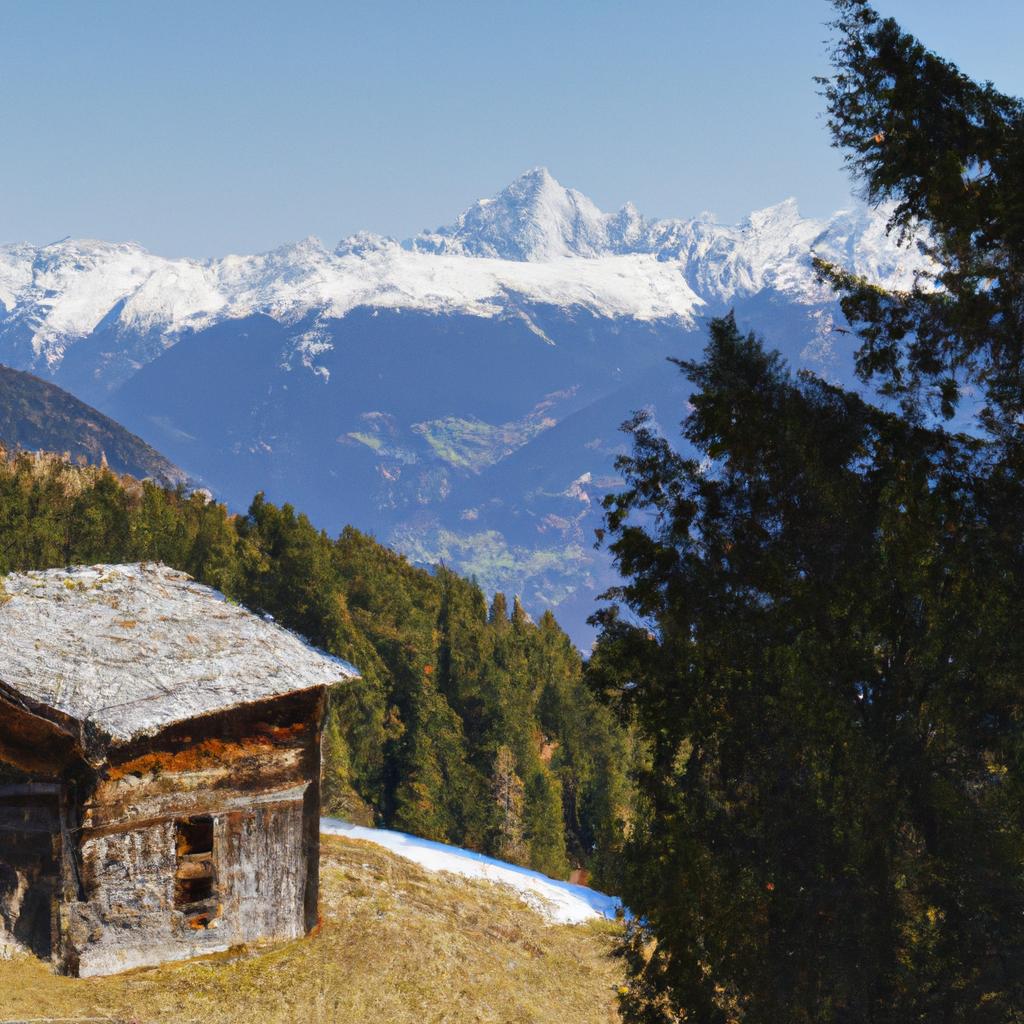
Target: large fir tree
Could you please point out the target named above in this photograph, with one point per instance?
(949, 154)
(823, 653)
(818, 633)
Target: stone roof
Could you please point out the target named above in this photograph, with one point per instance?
(130, 649)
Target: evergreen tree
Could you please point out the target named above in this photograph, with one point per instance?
(440, 796)
(507, 790)
(463, 652)
(498, 614)
(337, 793)
(545, 832)
(822, 650)
(949, 152)
(822, 654)
(589, 754)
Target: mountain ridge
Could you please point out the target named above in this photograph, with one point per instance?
(535, 241)
(36, 415)
(458, 393)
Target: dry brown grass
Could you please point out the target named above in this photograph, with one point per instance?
(397, 945)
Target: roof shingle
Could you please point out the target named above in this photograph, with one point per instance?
(131, 649)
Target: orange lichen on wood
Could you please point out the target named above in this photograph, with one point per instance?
(208, 753)
(195, 758)
(281, 733)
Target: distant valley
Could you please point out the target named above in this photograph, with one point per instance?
(458, 394)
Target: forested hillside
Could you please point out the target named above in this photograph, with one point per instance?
(470, 724)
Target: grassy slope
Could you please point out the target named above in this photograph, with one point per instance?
(397, 945)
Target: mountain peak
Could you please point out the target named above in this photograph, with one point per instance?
(532, 184)
(536, 219)
(779, 214)
(533, 219)
(540, 176)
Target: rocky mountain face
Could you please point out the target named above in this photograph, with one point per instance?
(458, 393)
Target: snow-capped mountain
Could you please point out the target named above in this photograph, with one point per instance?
(537, 220)
(458, 393)
(535, 242)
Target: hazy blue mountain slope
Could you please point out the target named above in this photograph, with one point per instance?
(36, 415)
(459, 393)
(528, 521)
(406, 409)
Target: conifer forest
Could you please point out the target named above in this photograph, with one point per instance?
(796, 747)
(471, 723)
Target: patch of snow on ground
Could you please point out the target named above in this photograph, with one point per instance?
(560, 902)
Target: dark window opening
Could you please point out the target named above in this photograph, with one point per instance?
(195, 880)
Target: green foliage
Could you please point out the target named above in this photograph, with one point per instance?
(545, 834)
(413, 744)
(824, 654)
(337, 792)
(822, 647)
(950, 153)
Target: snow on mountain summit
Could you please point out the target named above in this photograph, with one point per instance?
(534, 219)
(536, 241)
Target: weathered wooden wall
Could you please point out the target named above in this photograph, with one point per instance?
(35, 754)
(29, 868)
(256, 772)
(129, 918)
(90, 859)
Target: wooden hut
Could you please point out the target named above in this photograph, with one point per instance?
(159, 769)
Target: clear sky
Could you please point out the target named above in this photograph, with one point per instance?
(201, 127)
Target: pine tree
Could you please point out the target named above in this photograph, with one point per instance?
(498, 614)
(822, 648)
(508, 792)
(439, 794)
(949, 152)
(337, 793)
(545, 833)
(463, 652)
(823, 655)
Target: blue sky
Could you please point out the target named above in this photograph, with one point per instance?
(201, 128)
